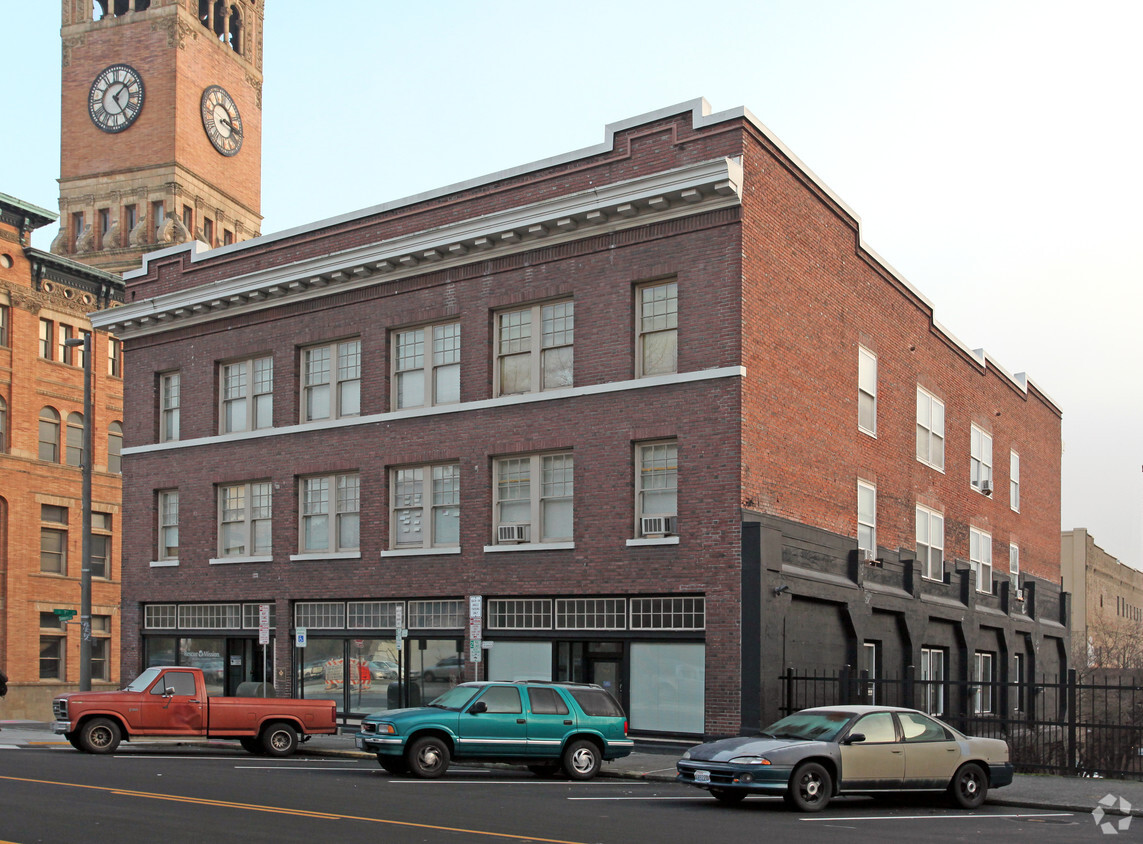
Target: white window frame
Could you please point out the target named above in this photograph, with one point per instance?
(168, 533)
(170, 400)
(980, 557)
(869, 650)
(931, 537)
(867, 518)
(64, 333)
(930, 429)
(101, 528)
(248, 384)
(339, 379)
(547, 332)
(866, 391)
(421, 497)
(1014, 564)
(980, 462)
(541, 491)
(1014, 480)
(656, 316)
(657, 482)
(428, 356)
(251, 512)
(114, 357)
(336, 500)
(984, 666)
(934, 668)
(47, 332)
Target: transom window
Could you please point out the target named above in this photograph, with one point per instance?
(591, 613)
(980, 557)
(426, 366)
(930, 429)
(867, 518)
(330, 509)
(519, 614)
(681, 613)
(169, 386)
(244, 519)
(866, 391)
(931, 543)
(657, 329)
(425, 510)
(534, 348)
(247, 395)
(980, 464)
(331, 381)
(534, 498)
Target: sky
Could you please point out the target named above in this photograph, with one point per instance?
(991, 149)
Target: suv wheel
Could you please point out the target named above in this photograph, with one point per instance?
(582, 760)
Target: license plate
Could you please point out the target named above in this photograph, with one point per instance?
(702, 776)
(360, 742)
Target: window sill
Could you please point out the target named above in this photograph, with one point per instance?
(419, 552)
(225, 561)
(332, 555)
(530, 546)
(159, 564)
(659, 540)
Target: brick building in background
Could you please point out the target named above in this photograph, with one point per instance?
(44, 300)
(1106, 622)
(652, 402)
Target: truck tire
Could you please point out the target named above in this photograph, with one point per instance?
(428, 757)
(279, 739)
(250, 744)
(73, 740)
(395, 765)
(99, 735)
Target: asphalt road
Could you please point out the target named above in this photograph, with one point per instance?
(164, 794)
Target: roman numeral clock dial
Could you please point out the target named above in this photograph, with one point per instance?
(221, 120)
(116, 98)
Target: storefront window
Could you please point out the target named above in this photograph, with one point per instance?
(667, 687)
(359, 675)
(206, 653)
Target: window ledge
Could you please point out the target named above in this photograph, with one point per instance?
(158, 564)
(225, 561)
(530, 546)
(419, 552)
(332, 555)
(659, 540)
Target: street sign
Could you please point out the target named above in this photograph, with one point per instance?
(65, 614)
(300, 637)
(263, 624)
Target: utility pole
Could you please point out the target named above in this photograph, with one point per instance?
(85, 571)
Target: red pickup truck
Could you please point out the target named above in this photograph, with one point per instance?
(171, 703)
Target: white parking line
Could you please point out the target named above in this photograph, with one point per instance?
(973, 817)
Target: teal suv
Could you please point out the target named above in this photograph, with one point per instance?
(549, 727)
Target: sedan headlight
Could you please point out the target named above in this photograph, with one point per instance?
(750, 760)
(687, 755)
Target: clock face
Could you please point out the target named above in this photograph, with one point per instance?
(221, 120)
(116, 98)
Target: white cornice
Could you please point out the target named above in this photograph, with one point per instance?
(649, 199)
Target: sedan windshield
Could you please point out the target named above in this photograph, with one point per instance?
(140, 683)
(455, 698)
(810, 725)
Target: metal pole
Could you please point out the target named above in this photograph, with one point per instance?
(85, 571)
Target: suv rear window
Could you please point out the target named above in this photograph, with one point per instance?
(596, 702)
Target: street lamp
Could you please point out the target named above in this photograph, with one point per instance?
(85, 571)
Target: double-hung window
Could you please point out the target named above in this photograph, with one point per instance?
(1014, 481)
(101, 545)
(657, 488)
(931, 543)
(933, 680)
(53, 539)
(5, 319)
(331, 514)
(866, 391)
(1014, 564)
(331, 380)
(169, 525)
(247, 395)
(426, 366)
(73, 449)
(53, 647)
(534, 496)
(49, 434)
(534, 348)
(63, 353)
(169, 387)
(425, 507)
(980, 557)
(657, 329)
(244, 515)
(867, 518)
(984, 666)
(115, 447)
(930, 429)
(46, 336)
(980, 463)
(114, 357)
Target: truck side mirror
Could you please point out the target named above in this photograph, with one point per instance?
(478, 707)
(168, 692)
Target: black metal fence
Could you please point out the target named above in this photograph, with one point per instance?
(1072, 725)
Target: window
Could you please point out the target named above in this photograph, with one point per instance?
(1020, 677)
(534, 498)
(188, 218)
(131, 217)
(46, 336)
(227, 237)
(101, 545)
(1014, 564)
(869, 662)
(330, 510)
(244, 519)
(114, 357)
(169, 386)
(247, 395)
(208, 231)
(866, 391)
(115, 447)
(930, 429)
(916, 727)
(3, 425)
(546, 701)
(74, 450)
(80, 358)
(933, 680)
(49, 435)
(331, 381)
(877, 727)
(981, 461)
(980, 556)
(502, 699)
(63, 350)
(1014, 481)
(657, 329)
(53, 539)
(983, 678)
(931, 543)
(169, 524)
(158, 215)
(53, 647)
(526, 363)
(867, 518)
(104, 226)
(657, 487)
(411, 488)
(424, 377)
(100, 647)
(5, 319)
(78, 225)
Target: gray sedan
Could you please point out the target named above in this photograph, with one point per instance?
(816, 754)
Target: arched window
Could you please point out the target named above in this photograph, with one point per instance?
(3, 425)
(235, 30)
(49, 435)
(204, 13)
(114, 447)
(219, 18)
(99, 9)
(74, 452)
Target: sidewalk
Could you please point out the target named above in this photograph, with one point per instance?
(1054, 793)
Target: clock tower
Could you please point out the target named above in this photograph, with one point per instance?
(161, 124)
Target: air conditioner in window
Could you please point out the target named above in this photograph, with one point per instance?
(658, 526)
(510, 534)
(1019, 594)
(866, 557)
(986, 487)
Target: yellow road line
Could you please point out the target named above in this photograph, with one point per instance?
(251, 807)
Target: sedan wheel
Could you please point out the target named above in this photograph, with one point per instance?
(811, 788)
(728, 796)
(969, 787)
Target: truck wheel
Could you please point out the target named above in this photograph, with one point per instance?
(99, 735)
(582, 760)
(393, 764)
(428, 757)
(279, 740)
(250, 744)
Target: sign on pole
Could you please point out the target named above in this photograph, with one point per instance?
(300, 637)
(263, 624)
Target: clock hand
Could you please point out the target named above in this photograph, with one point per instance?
(122, 97)
(230, 126)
